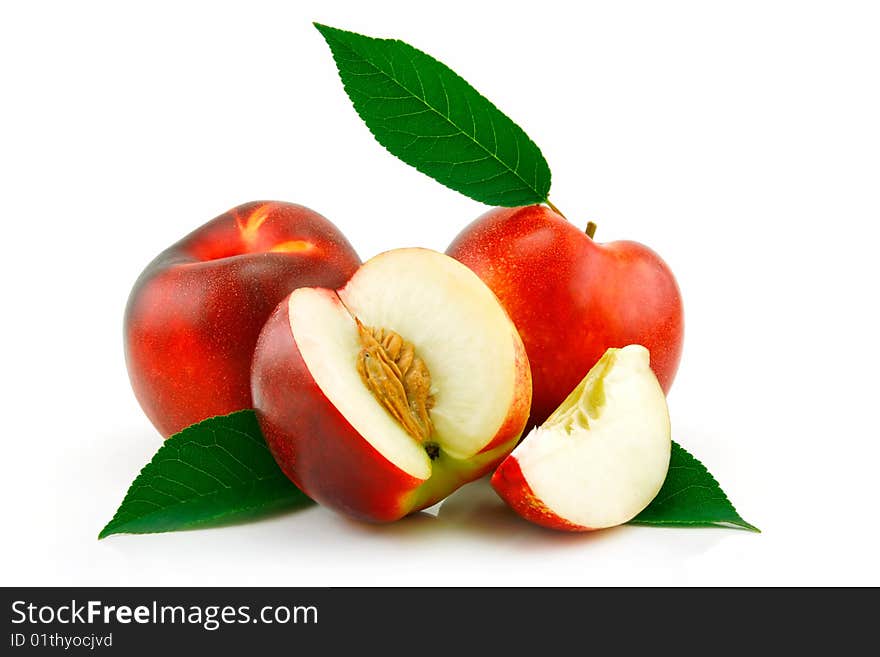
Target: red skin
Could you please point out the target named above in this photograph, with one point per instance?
(510, 484)
(194, 314)
(572, 298)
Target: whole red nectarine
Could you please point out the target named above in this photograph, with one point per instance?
(193, 317)
(572, 298)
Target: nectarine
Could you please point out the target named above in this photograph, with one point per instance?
(381, 398)
(601, 457)
(195, 312)
(572, 298)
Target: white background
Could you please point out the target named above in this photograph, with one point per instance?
(739, 140)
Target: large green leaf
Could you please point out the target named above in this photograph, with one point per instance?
(213, 472)
(428, 116)
(691, 497)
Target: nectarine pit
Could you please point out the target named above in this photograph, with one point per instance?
(399, 380)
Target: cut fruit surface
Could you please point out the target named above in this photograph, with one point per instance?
(601, 457)
(326, 335)
(457, 327)
(385, 396)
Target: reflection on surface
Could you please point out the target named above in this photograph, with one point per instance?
(476, 509)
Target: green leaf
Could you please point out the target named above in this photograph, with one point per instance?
(691, 497)
(429, 117)
(214, 472)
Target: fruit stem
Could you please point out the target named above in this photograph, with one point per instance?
(591, 229)
(554, 208)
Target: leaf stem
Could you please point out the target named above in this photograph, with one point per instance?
(591, 229)
(554, 208)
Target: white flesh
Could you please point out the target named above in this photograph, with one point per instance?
(457, 327)
(603, 455)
